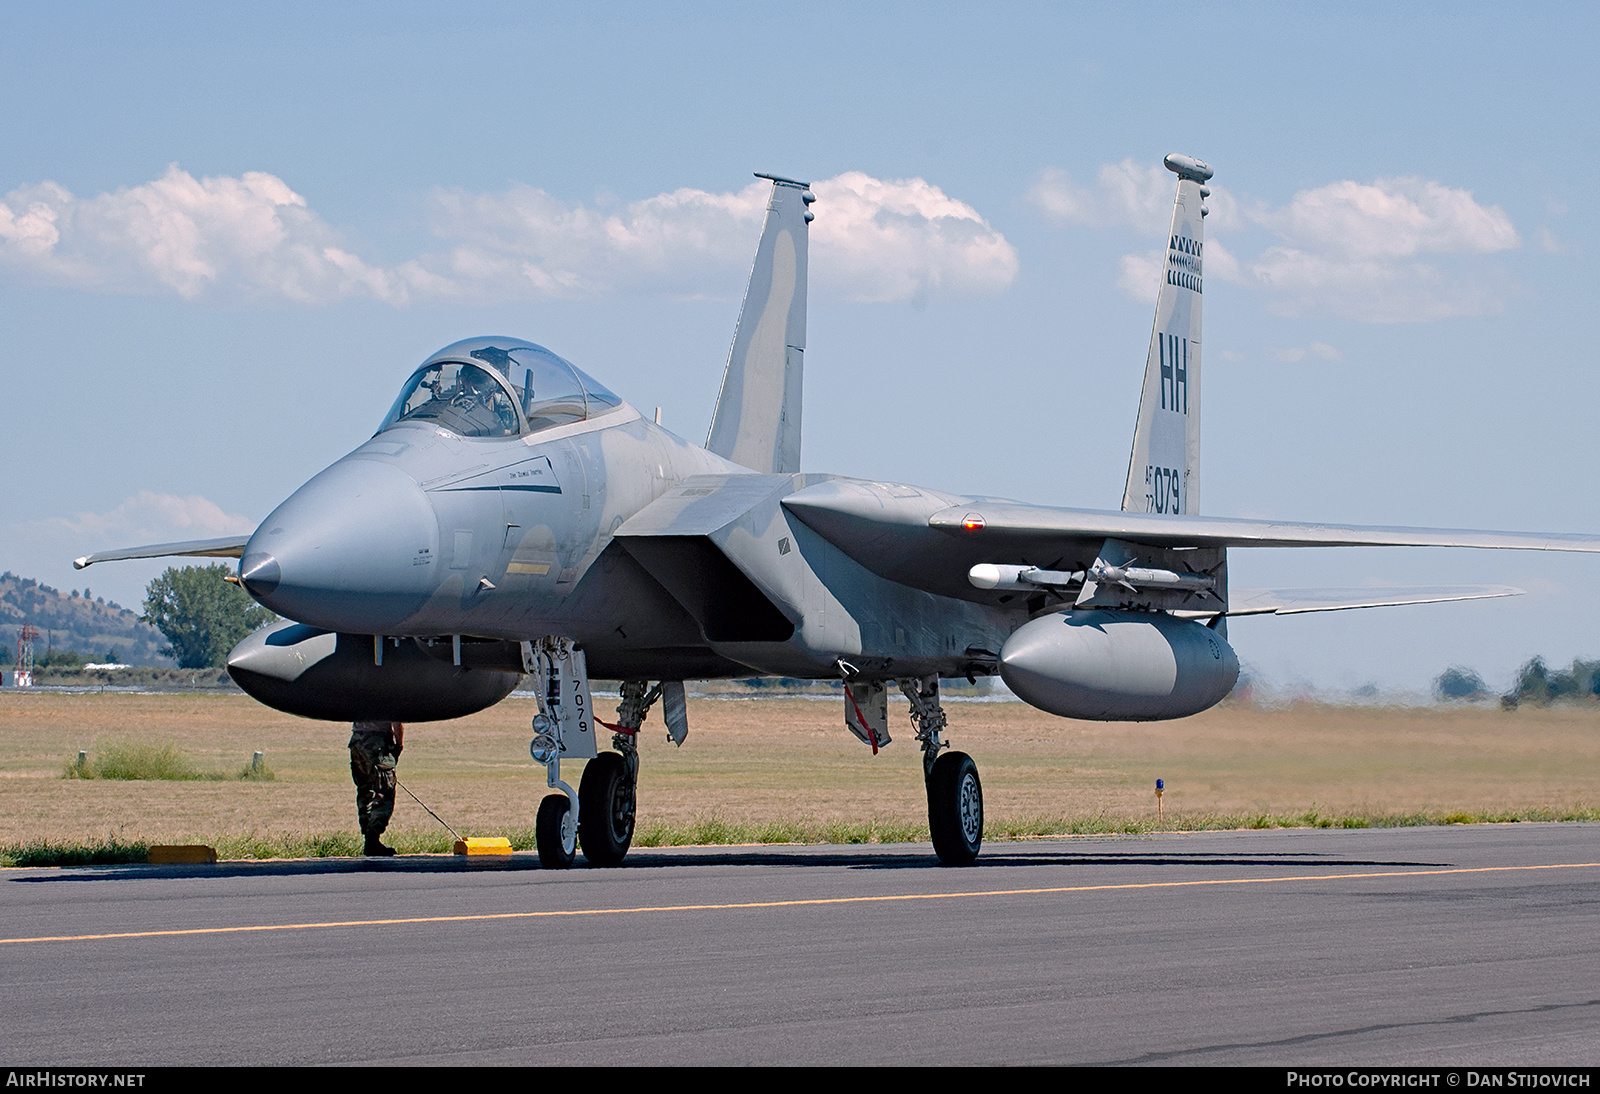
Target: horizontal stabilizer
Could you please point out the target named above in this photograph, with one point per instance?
(226, 547)
(1299, 601)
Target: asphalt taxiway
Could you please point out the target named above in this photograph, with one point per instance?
(1465, 945)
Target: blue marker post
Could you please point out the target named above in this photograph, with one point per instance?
(1161, 784)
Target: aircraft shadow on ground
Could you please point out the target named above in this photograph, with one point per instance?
(655, 859)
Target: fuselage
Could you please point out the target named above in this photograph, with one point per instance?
(424, 532)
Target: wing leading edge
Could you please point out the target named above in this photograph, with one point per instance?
(226, 547)
(1011, 521)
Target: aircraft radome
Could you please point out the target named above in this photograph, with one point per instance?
(512, 516)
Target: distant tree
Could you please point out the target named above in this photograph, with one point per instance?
(201, 614)
(62, 660)
(1456, 684)
(1532, 686)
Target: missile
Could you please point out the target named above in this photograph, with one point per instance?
(989, 576)
(1131, 577)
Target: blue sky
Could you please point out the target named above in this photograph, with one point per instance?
(228, 236)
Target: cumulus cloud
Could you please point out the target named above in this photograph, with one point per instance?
(1126, 194)
(1370, 250)
(183, 235)
(1392, 250)
(45, 548)
(148, 517)
(903, 240)
(873, 240)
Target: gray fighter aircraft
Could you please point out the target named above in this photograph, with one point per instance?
(512, 517)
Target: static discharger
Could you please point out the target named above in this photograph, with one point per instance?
(181, 854)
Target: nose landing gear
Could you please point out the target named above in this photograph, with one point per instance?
(564, 727)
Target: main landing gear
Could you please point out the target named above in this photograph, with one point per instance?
(955, 794)
(609, 788)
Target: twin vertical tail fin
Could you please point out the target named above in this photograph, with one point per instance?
(1164, 470)
(757, 421)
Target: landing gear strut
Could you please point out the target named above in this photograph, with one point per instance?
(608, 791)
(955, 795)
(564, 726)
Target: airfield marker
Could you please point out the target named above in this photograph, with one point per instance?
(761, 905)
(1161, 784)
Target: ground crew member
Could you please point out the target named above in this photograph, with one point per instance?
(374, 750)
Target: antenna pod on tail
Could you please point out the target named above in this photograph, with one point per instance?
(1164, 470)
(757, 420)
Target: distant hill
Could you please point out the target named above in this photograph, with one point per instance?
(74, 621)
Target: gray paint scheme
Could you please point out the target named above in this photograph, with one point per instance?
(757, 420)
(667, 561)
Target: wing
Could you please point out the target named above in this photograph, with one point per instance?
(226, 547)
(1299, 601)
(930, 540)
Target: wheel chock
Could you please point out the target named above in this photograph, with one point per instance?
(181, 854)
(483, 845)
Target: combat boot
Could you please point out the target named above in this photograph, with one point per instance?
(376, 848)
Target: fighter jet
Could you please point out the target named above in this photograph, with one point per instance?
(512, 517)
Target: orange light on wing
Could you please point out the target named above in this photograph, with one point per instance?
(972, 522)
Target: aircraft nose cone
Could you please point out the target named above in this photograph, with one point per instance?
(259, 574)
(352, 550)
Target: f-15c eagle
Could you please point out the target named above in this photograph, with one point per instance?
(512, 517)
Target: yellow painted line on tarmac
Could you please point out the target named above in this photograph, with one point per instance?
(812, 902)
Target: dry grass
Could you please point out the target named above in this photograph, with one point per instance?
(779, 770)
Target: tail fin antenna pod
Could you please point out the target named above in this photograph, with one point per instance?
(757, 420)
(1164, 469)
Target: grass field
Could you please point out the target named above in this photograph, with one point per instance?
(786, 769)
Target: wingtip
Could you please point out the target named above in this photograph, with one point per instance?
(80, 563)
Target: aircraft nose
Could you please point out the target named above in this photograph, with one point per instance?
(352, 550)
(259, 574)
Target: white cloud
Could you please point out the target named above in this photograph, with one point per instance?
(45, 548)
(1366, 251)
(147, 517)
(1126, 194)
(184, 235)
(1393, 250)
(874, 239)
(903, 240)
(1320, 350)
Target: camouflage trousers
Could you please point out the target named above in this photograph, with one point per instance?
(373, 756)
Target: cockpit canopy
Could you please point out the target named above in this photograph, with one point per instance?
(498, 387)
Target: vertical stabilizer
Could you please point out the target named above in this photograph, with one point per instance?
(1164, 470)
(757, 421)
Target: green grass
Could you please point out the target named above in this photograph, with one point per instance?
(133, 760)
(713, 831)
(152, 760)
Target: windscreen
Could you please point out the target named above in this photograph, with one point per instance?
(484, 399)
(465, 399)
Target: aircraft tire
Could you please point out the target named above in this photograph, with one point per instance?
(554, 852)
(605, 810)
(955, 809)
